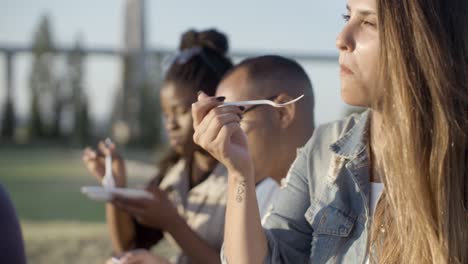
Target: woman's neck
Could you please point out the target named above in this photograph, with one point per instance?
(200, 167)
(375, 143)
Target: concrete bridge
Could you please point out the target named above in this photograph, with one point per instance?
(9, 51)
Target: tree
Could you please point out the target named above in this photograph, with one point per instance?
(150, 111)
(78, 100)
(42, 81)
(149, 116)
(8, 122)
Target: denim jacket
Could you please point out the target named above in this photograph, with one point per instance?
(321, 214)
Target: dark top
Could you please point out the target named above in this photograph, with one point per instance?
(11, 240)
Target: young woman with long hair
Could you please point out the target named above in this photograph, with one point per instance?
(385, 186)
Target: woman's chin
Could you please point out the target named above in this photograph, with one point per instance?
(179, 149)
(353, 98)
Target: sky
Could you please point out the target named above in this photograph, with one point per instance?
(264, 26)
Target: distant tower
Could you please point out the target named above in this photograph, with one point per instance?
(126, 111)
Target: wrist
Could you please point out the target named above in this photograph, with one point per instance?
(120, 182)
(121, 179)
(175, 224)
(240, 177)
(243, 174)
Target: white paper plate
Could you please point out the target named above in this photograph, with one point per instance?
(104, 194)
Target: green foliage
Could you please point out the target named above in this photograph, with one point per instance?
(42, 81)
(150, 114)
(8, 122)
(150, 117)
(43, 37)
(79, 101)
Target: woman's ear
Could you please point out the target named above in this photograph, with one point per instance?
(287, 113)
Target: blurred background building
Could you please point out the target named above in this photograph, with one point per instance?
(126, 119)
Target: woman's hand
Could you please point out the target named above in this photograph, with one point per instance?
(95, 163)
(158, 213)
(140, 256)
(218, 131)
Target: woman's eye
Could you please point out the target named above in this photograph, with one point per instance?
(368, 23)
(346, 17)
(182, 110)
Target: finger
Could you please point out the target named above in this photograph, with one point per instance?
(132, 210)
(95, 167)
(103, 148)
(89, 154)
(113, 261)
(135, 256)
(224, 139)
(204, 104)
(132, 253)
(132, 258)
(154, 189)
(226, 132)
(210, 134)
(91, 165)
(112, 148)
(134, 202)
(238, 110)
(140, 203)
(202, 95)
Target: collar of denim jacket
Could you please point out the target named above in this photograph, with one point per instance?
(354, 141)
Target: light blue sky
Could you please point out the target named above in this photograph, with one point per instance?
(268, 26)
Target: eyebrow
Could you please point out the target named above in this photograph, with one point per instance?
(362, 12)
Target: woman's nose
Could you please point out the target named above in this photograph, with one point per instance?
(345, 40)
(171, 123)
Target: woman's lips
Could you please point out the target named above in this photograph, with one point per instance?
(345, 70)
(176, 140)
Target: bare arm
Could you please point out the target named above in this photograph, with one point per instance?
(217, 130)
(244, 239)
(120, 224)
(121, 229)
(193, 245)
(159, 213)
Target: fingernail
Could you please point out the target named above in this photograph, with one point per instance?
(221, 98)
(242, 108)
(199, 92)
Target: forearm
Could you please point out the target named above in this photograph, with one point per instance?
(192, 244)
(244, 238)
(121, 229)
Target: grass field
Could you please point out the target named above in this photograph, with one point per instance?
(59, 224)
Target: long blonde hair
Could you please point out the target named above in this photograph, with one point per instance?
(422, 216)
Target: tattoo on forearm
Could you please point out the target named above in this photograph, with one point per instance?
(240, 191)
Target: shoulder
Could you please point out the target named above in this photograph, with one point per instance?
(327, 134)
(316, 157)
(174, 176)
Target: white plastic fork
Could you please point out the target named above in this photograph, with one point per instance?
(261, 102)
(108, 179)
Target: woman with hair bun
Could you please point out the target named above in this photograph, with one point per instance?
(189, 191)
